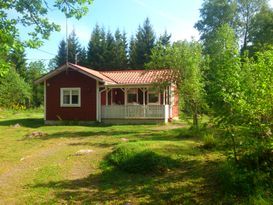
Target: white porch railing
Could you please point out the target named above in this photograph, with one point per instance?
(135, 112)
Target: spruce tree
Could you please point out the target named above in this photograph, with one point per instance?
(164, 39)
(144, 43)
(60, 59)
(74, 47)
(96, 48)
(132, 53)
(109, 52)
(120, 60)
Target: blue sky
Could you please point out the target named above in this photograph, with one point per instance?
(176, 16)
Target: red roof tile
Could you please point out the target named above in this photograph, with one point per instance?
(138, 76)
(117, 77)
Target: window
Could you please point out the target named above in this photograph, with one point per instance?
(132, 96)
(153, 97)
(70, 97)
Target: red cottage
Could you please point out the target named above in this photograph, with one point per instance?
(76, 93)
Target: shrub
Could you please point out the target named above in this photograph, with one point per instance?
(136, 158)
(209, 141)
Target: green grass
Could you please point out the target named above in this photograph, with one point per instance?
(45, 170)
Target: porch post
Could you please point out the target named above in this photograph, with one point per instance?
(144, 107)
(164, 96)
(111, 96)
(97, 102)
(106, 96)
(45, 100)
(143, 92)
(125, 96)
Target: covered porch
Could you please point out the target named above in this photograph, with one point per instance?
(135, 103)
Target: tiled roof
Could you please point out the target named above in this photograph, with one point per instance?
(138, 76)
(117, 77)
(93, 72)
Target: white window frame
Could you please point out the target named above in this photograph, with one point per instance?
(158, 98)
(70, 90)
(132, 91)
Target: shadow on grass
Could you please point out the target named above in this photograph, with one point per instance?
(25, 122)
(193, 183)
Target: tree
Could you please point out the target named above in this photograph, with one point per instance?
(96, 48)
(60, 59)
(215, 13)
(109, 53)
(261, 31)
(35, 70)
(33, 16)
(18, 59)
(165, 39)
(120, 59)
(143, 45)
(223, 80)
(75, 51)
(247, 9)
(14, 91)
(82, 57)
(224, 70)
(132, 53)
(74, 47)
(186, 61)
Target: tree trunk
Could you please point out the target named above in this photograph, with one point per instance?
(195, 117)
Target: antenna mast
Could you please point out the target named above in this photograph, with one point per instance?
(66, 57)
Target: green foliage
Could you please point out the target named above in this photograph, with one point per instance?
(238, 14)
(215, 13)
(14, 91)
(120, 60)
(35, 70)
(223, 75)
(186, 61)
(209, 141)
(142, 45)
(248, 184)
(261, 31)
(33, 16)
(137, 158)
(96, 48)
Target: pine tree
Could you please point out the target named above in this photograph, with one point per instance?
(164, 39)
(132, 53)
(18, 58)
(96, 48)
(144, 43)
(82, 57)
(109, 53)
(60, 59)
(120, 60)
(74, 47)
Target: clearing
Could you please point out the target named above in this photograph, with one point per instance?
(45, 168)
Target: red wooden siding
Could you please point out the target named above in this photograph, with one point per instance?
(70, 78)
(175, 107)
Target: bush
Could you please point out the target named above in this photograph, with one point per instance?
(247, 184)
(209, 141)
(136, 158)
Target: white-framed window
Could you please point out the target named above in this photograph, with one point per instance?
(70, 97)
(153, 98)
(132, 96)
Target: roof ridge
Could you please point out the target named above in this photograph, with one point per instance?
(112, 71)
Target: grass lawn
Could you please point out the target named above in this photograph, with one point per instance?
(45, 170)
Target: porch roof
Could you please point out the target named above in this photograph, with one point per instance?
(138, 76)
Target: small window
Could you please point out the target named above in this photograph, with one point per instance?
(153, 97)
(132, 96)
(70, 97)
